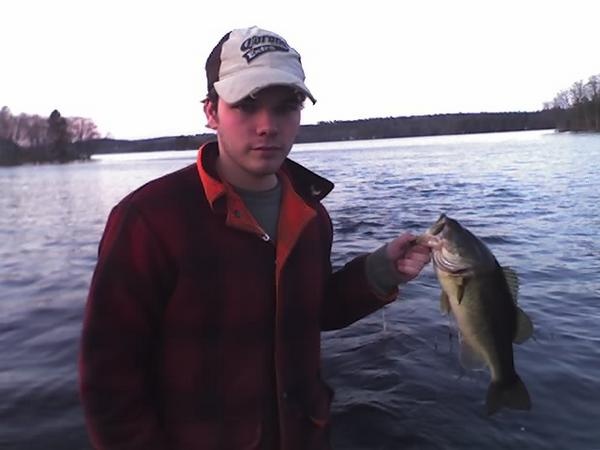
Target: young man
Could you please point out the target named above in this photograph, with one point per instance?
(213, 283)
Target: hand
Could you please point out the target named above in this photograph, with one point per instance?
(407, 256)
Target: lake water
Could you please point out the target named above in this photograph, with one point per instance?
(533, 197)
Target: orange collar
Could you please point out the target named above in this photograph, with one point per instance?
(206, 165)
(301, 190)
(307, 184)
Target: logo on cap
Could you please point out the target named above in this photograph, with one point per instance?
(255, 46)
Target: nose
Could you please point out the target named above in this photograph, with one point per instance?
(266, 122)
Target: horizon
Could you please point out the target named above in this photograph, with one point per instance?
(209, 131)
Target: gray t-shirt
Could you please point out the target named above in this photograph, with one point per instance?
(264, 206)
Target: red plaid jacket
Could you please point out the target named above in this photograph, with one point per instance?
(199, 333)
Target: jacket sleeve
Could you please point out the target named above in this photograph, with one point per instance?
(349, 296)
(119, 338)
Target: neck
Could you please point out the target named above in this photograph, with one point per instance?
(243, 180)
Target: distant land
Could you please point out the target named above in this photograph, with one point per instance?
(32, 139)
(378, 128)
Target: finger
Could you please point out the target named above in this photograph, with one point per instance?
(399, 246)
(418, 252)
(404, 240)
(408, 273)
(410, 267)
(419, 249)
(428, 240)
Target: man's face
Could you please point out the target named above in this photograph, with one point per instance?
(255, 135)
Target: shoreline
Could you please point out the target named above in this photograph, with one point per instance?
(350, 130)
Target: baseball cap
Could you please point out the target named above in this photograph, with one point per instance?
(247, 60)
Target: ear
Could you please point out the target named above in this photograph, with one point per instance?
(210, 110)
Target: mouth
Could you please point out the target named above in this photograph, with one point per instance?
(267, 148)
(432, 237)
(438, 226)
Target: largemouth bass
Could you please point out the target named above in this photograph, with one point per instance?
(482, 296)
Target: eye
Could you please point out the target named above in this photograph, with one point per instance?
(247, 106)
(288, 107)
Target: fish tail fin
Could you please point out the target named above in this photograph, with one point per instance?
(512, 396)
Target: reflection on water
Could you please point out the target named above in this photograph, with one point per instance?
(532, 196)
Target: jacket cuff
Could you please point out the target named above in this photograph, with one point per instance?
(381, 275)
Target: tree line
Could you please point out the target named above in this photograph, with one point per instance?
(56, 132)
(57, 139)
(343, 130)
(427, 125)
(578, 107)
(33, 138)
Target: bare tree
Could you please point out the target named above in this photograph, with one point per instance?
(82, 129)
(579, 106)
(562, 100)
(593, 94)
(578, 102)
(58, 136)
(6, 123)
(37, 131)
(33, 130)
(19, 130)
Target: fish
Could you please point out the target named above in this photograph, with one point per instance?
(482, 297)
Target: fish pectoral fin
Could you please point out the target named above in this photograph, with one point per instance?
(444, 303)
(524, 327)
(460, 288)
(512, 279)
(469, 358)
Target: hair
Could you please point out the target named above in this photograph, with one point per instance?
(301, 97)
(213, 98)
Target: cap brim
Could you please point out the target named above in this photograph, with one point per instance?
(239, 86)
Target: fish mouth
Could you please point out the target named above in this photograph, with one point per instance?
(431, 237)
(442, 255)
(438, 226)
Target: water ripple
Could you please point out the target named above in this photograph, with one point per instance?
(532, 197)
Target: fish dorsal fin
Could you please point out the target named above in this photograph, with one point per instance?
(444, 303)
(512, 279)
(524, 327)
(469, 358)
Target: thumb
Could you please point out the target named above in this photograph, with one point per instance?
(398, 247)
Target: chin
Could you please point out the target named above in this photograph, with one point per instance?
(269, 166)
(266, 171)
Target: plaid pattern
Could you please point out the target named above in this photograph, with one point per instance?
(198, 334)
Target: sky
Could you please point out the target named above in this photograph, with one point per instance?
(136, 68)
